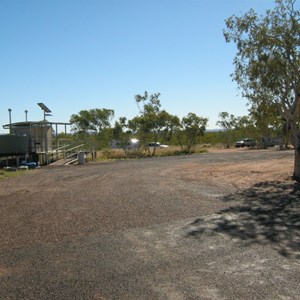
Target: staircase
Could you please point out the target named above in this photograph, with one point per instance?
(66, 155)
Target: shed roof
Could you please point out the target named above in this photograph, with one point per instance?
(33, 123)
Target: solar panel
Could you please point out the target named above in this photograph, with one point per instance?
(44, 107)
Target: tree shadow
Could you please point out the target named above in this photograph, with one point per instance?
(266, 213)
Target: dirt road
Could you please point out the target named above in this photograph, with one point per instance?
(209, 226)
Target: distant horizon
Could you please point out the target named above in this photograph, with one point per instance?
(69, 126)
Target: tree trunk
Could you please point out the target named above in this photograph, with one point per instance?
(154, 150)
(296, 175)
(296, 135)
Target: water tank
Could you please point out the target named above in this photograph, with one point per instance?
(11, 144)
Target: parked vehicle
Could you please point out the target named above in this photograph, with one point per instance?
(247, 142)
(132, 144)
(157, 145)
(271, 141)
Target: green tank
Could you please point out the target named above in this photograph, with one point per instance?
(13, 145)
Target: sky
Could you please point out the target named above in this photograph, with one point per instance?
(85, 54)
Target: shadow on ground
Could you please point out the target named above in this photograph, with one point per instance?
(266, 213)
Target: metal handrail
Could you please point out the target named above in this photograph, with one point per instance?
(66, 154)
(78, 146)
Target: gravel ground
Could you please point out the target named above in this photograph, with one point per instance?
(210, 226)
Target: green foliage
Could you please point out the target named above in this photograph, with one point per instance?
(210, 138)
(227, 122)
(121, 134)
(246, 127)
(93, 120)
(92, 127)
(152, 124)
(266, 118)
(267, 60)
(145, 126)
(236, 128)
(190, 129)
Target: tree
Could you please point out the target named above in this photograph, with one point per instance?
(121, 134)
(268, 120)
(245, 127)
(267, 62)
(171, 122)
(152, 122)
(191, 127)
(95, 122)
(228, 122)
(266, 117)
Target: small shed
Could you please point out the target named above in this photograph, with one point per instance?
(38, 135)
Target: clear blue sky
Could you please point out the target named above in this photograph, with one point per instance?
(75, 55)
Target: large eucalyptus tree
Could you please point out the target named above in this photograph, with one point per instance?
(267, 62)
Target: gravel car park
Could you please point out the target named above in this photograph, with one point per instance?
(219, 225)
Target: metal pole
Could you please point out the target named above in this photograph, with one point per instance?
(26, 111)
(65, 154)
(46, 143)
(9, 113)
(56, 135)
(65, 135)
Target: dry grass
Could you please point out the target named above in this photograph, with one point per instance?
(12, 173)
(169, 151)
